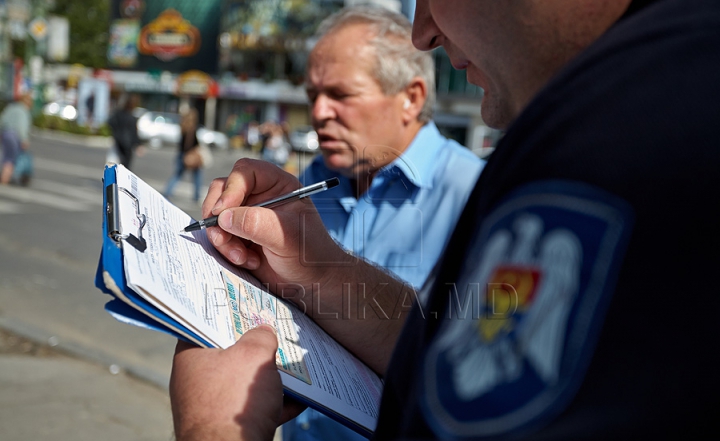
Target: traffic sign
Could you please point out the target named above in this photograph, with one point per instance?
(38, 28)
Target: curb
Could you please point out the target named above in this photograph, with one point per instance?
(73, 349)
(102, 142)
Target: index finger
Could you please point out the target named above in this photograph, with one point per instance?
(252, 181)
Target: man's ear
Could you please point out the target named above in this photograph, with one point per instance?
(415, 95)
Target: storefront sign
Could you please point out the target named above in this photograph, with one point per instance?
(122, 47)
(196, 83)
(169, 36)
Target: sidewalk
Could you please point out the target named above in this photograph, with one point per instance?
(46, 395)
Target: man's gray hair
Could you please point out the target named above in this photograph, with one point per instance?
(397, 60)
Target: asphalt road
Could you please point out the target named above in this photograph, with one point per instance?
(50, 240)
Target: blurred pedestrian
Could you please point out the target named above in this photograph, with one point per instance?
(15, 123)
(233, 124)
(90, 109)
(124, 130)
(188, 143)
(276, 149)
(252, 137)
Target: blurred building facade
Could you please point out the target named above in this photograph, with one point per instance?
(238, 61)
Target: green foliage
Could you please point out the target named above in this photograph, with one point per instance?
(54, 122)
(18, 48)
(79, 130)
(89, 25)
(104, 130)
(51, 122)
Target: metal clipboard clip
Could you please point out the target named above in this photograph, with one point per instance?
(113, 218)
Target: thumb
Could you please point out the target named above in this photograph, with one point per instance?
(260, 343)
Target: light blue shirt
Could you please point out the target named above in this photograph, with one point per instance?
(401, 223)
(405, 218)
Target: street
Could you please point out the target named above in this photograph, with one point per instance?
(50, 241)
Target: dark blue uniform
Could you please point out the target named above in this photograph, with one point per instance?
(577, 298)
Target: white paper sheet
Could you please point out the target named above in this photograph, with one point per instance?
(185, 277)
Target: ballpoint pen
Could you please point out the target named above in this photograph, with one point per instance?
(280, 200)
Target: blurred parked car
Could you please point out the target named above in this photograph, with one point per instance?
(304, 139)
(63, 110)
(212, 138)
(163, 128)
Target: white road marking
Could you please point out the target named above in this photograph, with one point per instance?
(28, 195)
(80, 193)
(68, 168)
(10, 208)
(74, 198)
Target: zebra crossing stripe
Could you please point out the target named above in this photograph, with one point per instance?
(79, 193)
(32, 196)
(9, 207)
(73, 198)
(69, 169)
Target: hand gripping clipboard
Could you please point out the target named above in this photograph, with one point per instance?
(127, 306)
(131, 307)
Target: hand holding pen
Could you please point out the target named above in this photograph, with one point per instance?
(280, 200)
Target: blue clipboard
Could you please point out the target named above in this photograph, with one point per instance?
(127, 306)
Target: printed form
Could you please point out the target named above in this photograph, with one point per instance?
(183, 276)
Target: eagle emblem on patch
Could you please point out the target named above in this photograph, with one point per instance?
(538, 276)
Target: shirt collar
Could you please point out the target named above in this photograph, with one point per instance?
(418, 160)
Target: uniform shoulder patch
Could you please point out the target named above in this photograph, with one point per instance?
(523, 319)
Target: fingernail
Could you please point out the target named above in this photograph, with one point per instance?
(225, 219)
(268, 327)
(212, 235)
(218, 206)
(234, 256)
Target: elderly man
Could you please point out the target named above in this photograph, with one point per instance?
(402, 184)
(587, 238)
